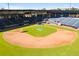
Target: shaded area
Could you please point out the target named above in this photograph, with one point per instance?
(12, 23)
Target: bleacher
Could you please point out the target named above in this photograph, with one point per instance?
(68, 21)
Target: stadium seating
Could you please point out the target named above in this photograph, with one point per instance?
(73, 22)
(19, 21)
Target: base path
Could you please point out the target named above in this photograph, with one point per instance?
(59, 38)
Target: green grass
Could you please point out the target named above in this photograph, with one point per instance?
(7, 49)
(39, 30)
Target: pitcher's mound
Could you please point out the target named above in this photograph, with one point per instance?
(59, 38)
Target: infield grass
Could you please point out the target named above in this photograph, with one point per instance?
(39, 30)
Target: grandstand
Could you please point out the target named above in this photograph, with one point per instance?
(10, 19)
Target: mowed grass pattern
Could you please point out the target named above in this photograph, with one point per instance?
(39, 30)
(7, 49)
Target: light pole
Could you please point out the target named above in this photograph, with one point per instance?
(8, 5)
(8, 9)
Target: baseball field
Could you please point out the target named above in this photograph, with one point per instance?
(40, 40)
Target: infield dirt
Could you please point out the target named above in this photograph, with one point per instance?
(59, 38)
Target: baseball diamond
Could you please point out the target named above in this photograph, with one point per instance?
(43, 32)
(40, 39)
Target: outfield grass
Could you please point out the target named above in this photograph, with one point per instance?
(39, 30)
(68, 50)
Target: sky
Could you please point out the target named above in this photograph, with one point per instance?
(38, 5)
